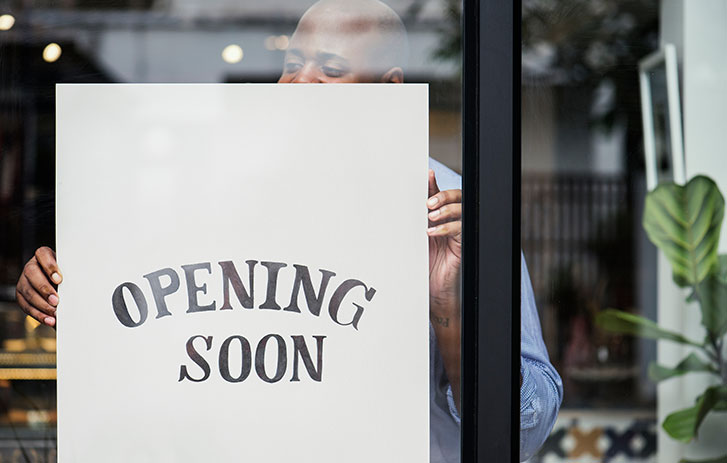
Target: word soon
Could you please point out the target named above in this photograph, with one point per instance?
(238, 374)
(245, 295)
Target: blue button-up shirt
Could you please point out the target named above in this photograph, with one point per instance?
(542, 389)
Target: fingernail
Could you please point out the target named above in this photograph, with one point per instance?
(434, 214)
(50, 321)
(432, 230)
(432, 201)
(56, 278)
(53, 299)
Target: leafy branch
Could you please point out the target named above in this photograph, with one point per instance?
(684, 222)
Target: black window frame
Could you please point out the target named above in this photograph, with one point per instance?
(490, 407)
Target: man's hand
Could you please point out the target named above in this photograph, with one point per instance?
(36, 288)
(445, 260)
(445, 246)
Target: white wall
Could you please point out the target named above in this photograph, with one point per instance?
(699, 31)
(705, 91)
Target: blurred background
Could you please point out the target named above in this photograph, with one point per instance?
(583, 188)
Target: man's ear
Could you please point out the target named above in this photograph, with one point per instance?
(393, 76)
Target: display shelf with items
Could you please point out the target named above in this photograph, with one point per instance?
(27, 374)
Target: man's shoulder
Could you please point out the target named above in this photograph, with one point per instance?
(447, 179)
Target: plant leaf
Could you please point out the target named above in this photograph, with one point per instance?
(627, 323)
(708, 401)
(683, 425)
(692, 363)
(722, 266)
(680, 425)
(711, 460)
(684, 222)
(713, 298)
(721, 406)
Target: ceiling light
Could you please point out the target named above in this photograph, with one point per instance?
(232, 54)
(52, 52)
(7, 21)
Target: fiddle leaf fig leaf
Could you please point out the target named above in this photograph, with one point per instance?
(684, 222)
(680, 424)
(627, 323)
(722, 267)
(720, 406)
(690, 364)
(683, 425)
(712, 294)
(708, 401)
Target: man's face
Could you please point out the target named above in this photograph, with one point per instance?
(329, 47)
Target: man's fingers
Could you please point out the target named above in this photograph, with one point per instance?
(444, 197)
(446, 229)
(32, 311)
(448, 212)
(33, 298)
(46, 258)
(433, 187)
(35, 292)
(39, 281)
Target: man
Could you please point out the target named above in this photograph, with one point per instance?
(349, 41)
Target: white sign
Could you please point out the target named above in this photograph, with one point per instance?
(245, 273)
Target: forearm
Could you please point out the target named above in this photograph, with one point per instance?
(446, 322)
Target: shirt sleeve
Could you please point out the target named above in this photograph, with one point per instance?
(452, 406)
(541, 392)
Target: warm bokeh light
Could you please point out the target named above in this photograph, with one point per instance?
(7, 21)
(52, 52)
(270, 42)
(277, 42)
(232, 54)
(282, 42)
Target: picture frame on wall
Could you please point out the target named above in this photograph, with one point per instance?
(662, 117)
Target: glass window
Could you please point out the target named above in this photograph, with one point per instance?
(608, 88)
(48, 42)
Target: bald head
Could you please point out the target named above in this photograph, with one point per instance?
(347, 19)
(347, 40)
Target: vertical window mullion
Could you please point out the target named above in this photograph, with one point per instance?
(491, 267)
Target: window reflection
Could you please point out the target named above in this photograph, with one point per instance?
(583, 191)
(88, 41)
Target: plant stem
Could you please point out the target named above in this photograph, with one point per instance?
(719, 356)
(712, 356)
(715, 343)
(719, 346)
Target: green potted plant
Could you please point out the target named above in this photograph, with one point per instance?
(684, 222)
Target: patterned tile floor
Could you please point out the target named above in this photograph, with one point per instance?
(601, 436)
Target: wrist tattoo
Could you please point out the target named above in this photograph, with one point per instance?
(444, 321)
